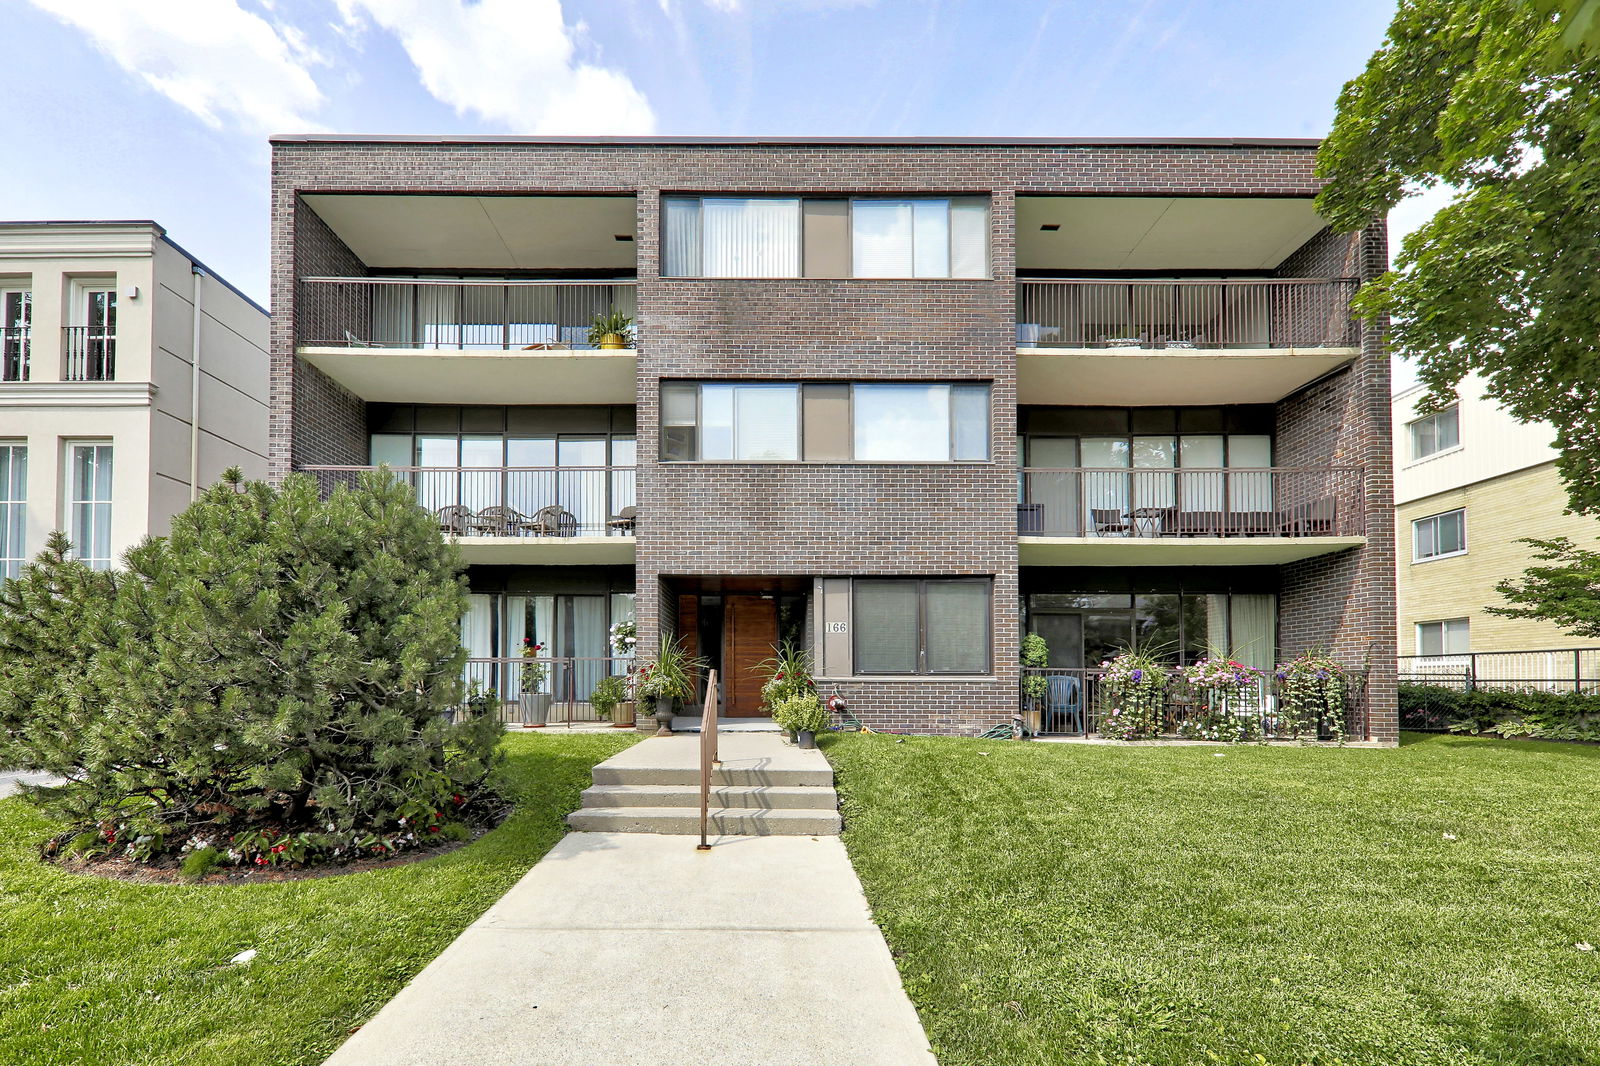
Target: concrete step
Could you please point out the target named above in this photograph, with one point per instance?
(729, 773)
(727, 821)
(757, 797)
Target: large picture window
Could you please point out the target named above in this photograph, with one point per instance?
(921, 625)
(825, 422)
(731, 237)
(1083, 629)
(923, 238)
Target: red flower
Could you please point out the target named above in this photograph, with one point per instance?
(458, 800)
(433, 829)
(276, 848)
(261, 860)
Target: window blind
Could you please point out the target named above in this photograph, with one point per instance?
(750, 238)
(957, 627)
(886, 627)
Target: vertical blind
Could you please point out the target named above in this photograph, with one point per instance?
(886, 627)
(921, 626)
(13, 507)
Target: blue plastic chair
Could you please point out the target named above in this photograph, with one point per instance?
(1063, 704)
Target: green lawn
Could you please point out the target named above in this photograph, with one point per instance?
(1053, 903)
(96, 971)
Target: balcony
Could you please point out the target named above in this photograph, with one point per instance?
(14, 345)
(91, 354)
(1084, 516)
(565, 515)
(465, 341)
(1180, 340)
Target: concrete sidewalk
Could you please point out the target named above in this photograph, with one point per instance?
(10, 779)
(760, 951)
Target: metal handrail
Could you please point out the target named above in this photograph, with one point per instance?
(708, 756)
(1164, 282)
(567, 678)
(457, 282)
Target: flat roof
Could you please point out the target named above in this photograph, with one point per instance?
(1063, 142)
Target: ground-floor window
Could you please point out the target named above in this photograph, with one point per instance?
(574, 628)
(1082, 629)
(921, 625)
(13, 508)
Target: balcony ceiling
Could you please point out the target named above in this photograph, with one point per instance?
(1177, 551)
(1170, 377)
(482, 232)
(1161, 233)
(393, 375)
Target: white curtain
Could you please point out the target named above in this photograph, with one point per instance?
(969, 238)
(1251, 491)
(881, 238)
(1254, 631)
(750, 238)
(681, 221)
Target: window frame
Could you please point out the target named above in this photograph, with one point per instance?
(1416, 530)
(1433, 417)
(949, 201)
(700, 236)
(922, 668)
(71, 502)
(14, 556)
(1443, 623)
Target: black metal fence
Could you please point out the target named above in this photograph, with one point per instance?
(91, 353)
(539, 690)
(1431, 684)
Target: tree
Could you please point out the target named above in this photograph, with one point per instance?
(1567, 593)
(1499, 100)
(274, 674)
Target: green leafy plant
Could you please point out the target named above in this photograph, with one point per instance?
(1313, 694)
(800, 712)
(611, 323)
(610, 691)
(1520, 712)
(201, 861)
(533, 670)
(1035, 657)
(788, 673)
(671, 675)
(1133, 691)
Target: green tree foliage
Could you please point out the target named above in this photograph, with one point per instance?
(1566, 593)
(1500, 101)
(275, 671)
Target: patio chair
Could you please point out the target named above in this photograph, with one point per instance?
(1314, 519)
(553, 521)
(624, 520)
(498, 521)
(1109, 520)
(455, 520)
(1063, 704)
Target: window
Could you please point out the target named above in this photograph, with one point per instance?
(1439, 535)
(1082, 629)
(13, 508)
(16, 324)
(1450, 637)
(1436, 432)
(92, 341)
(825, 422)
(921, 626)
(936, 238)
(728, 237)
(89, 468)
(819, 237)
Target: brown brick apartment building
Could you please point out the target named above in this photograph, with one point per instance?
(900, 400)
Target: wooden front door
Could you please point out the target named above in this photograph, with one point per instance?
(749, 631)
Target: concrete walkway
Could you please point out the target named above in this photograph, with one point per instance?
(10, 779)
(760, 951)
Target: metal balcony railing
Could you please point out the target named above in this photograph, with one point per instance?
(492, 315)
(1186, 313)
(554, 501)
(552, 689)
(91, 353)
(1191, 502)
(14, 344)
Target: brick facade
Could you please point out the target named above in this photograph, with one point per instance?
(818, 519)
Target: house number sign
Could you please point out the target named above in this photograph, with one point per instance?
(838, 627)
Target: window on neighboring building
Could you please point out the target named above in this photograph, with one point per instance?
(1436, 432)
(825, 421)
(824, 237)
(921, 625)
(89, 503)
(13, 508)
(1449, 637)
(16, 325)
(1439, 535)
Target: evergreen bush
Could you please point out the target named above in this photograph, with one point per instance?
(273, 680)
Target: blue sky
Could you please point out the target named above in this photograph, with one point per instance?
(161, 108)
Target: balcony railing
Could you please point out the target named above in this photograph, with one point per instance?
(1072, 702)
(14, 344)
(91, 354)
(1191, 502)
(560, 695)
(525, 501)
(492, 315)
(1186, 313)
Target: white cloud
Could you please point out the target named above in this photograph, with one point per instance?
(210, 57)
(510, 62)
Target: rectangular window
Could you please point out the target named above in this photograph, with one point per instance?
(920, 238)
(731, 237)
(1449, 637)
(877, 422)
(13, 508)
(1436, 432)
(16, 325)
(92, 340)
(1439, 535)
(89, 502)
(921, 625)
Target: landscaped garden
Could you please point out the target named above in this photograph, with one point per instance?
(1046, 903)
(105, 971)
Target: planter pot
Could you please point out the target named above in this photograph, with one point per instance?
(622, 715)
(805, 738)
(535, 708)
(1033, 720)
(663, 717)
(612, 341)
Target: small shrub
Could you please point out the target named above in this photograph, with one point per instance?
(1504, 712)
(611, 691)
(200, 862)
(1035, 656)
(800, 712)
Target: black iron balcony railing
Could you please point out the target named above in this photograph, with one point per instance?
(91, 353)
(14, 344)
(553, 690)
(1191, 502)
(1186, 313)
(481, 501)
(493, 315)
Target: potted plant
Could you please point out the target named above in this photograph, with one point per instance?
(624, 640)
(1035, 683)
(1133, 686)
(481, 701)
(611, 330)
(535, 703)
(802, 714)
(608, 696)
(668, 680)
(788, 673)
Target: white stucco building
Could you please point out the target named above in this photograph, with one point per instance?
(130, 378)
